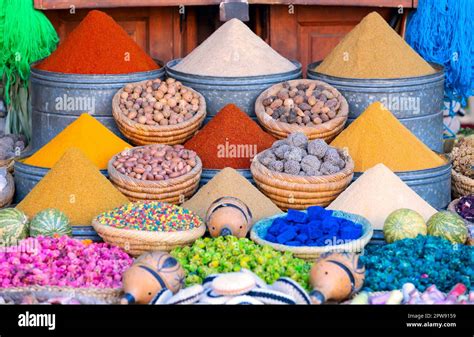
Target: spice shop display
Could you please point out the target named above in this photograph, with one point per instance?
(88, 135)
(423, 261)
(336, 277)
(156, 172)
(235, 51)
(230, 139)
(156, 111)
(312, 107)
(76, 187)
(146, 226)
(311, 233)
(62, 262)
(149, 274)
(208, 256)
(377, 137)
(462, 156)
(297, 173)
(374, 50)
(98, 45)
(229, 183)
(229, 216)
(376, 194)
(402, 224)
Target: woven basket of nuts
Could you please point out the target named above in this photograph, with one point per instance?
(309, 106)
(156, 173)
(158, 112)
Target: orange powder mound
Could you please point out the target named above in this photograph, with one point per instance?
(377, 137)
(87, 134)
(98, 45)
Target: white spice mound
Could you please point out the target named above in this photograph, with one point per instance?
(234, 51)
(377, 193)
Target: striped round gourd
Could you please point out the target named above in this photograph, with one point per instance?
(13, 226)
(402, 224)
(448, 225)
(50, 222)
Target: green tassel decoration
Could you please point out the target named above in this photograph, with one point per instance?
(26, 36)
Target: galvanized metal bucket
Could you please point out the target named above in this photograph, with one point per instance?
(415, 101)
(433, 185)
(85, 233)
(27, 176)
(207, 175)
(220, 91)
(58, 99)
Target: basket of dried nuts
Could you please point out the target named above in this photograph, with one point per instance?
(158, 172)
(309, 106)
(158, 112)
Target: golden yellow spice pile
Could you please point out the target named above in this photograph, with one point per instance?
(374, 50)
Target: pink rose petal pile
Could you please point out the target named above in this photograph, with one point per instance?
(64, 262)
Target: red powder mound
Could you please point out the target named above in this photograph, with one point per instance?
(98, 46)
(230, 139)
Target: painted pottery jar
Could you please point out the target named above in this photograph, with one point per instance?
(150, 273)
(228, 216)
(336, 277)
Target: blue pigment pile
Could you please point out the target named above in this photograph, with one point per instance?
(315, 227)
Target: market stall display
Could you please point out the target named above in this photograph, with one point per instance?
(376, 194)
(76, 187)
(139, 227)
(228, 216)
(156, 172)
(317, 231)
(229, 183)
(312, 107)
(149, 274)
(336, 276)
(297, 173)
(208, 256)
(462, 156)
(156, 111)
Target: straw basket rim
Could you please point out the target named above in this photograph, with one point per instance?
(324, 129)
(120, 117)
(462, 185)
(309, 252)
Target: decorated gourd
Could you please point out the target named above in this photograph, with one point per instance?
(448, 225)
(402, 224)
(150, 273)
(228, 216)
(336, 277)
(50, 222)
(13, 226)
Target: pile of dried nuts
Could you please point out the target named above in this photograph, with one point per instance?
(159, 102)
(303, 104)
(155, 162)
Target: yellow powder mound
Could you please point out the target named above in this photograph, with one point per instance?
(374, 50)
(86, 133)
(75, 186)
(377, 136)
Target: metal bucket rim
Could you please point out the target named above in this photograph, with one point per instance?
(380, 82)
(231, 80)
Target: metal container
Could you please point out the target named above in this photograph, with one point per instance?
(220, 91)
(58, 99)
(433, 185)
(207, 175)
(27, 176)
(85, 233)
(415, 101)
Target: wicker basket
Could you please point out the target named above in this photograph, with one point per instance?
(461, 184)
(140, 134)
(300, 192)
(137, 242)
(327, 131)
(312, 253)
(87, 295)
(6, 196)
(174, 191)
